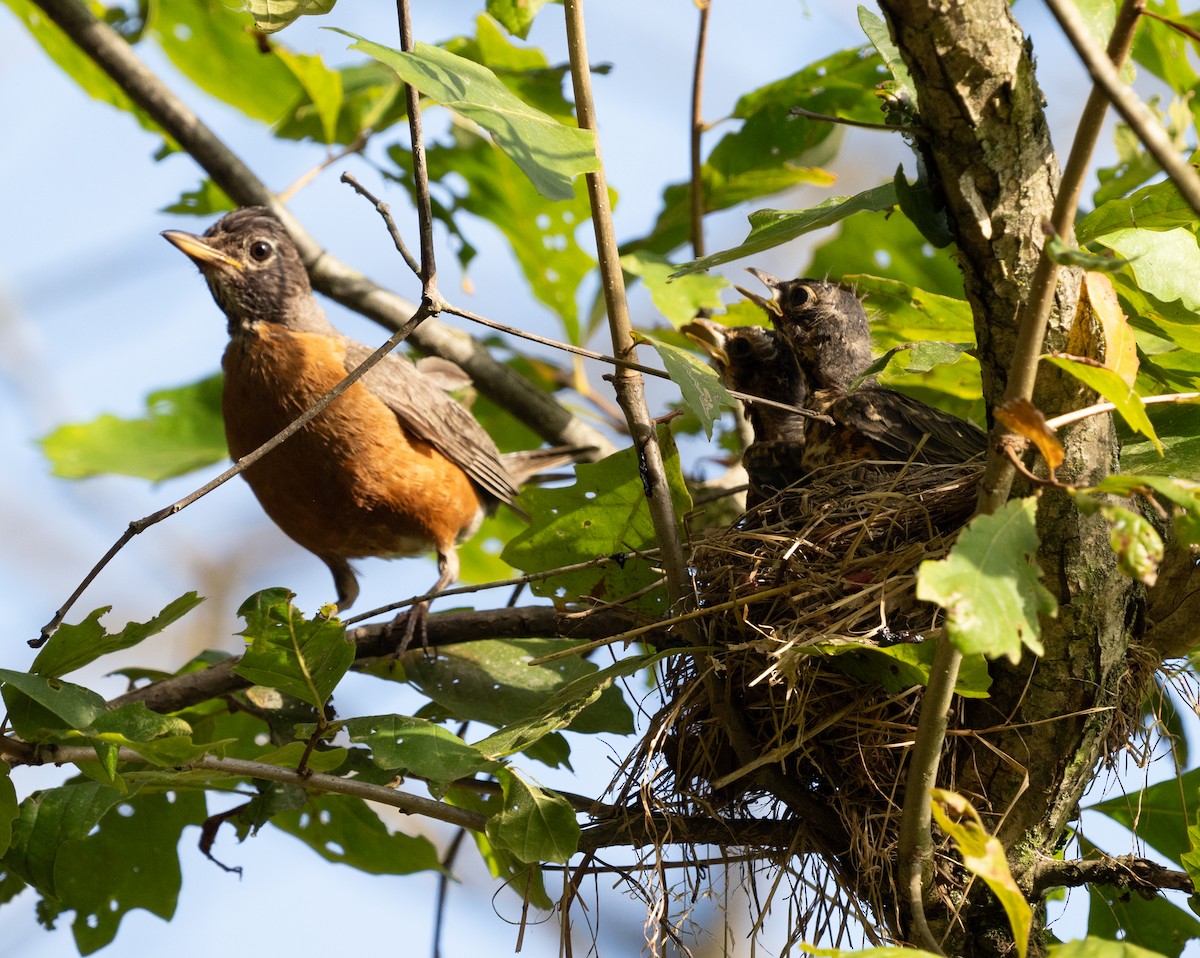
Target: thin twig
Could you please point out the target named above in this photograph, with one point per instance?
(1075, 415)
(521, 580)
(696, 196)
(629, 385)
(357, 146)
(311, 781)
(858, 124)
(420, 167)
(141, 525)
(385, 212)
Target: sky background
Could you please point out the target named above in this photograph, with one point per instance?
(96, 310)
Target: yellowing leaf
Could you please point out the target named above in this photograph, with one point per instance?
(1025, 419)
(983, 855)
(1117, 345)
(1112, 387)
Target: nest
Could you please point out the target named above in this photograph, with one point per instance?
(795, 704)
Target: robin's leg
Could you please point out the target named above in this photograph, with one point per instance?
(344, 580)
(415, 618)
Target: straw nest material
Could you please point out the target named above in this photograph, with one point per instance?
(798, 597)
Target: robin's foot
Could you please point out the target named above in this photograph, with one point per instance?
(407, 625)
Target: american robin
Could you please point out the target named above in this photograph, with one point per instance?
(826, 326)
(393, 467)
(751, 360)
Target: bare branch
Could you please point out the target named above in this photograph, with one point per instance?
(1130, 872)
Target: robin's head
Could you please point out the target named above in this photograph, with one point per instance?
(252, 269)
(749, 359)
(823, 322)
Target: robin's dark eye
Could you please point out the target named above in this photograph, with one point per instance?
(799, 296)
(260, 251)
(738, 348)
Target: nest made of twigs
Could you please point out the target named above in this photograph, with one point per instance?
(794, 594)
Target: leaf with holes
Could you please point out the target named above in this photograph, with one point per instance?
(989, 584)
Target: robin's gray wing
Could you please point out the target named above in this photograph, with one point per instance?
(895, 424)
(422, 406)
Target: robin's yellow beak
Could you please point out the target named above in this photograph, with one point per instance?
(710, 337)
(199, 252)
(771, 306)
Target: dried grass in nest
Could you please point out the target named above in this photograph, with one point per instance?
(830, 562)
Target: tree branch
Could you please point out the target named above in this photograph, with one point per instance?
(375, 641)
(630, 388)
(1129, 872)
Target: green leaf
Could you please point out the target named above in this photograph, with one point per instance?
(1176, 427)
(534, 825)
(37, 704)
(604, 513)
(702, 390)
(323, 86)
(773, 150)
(207, 199)
(319, 760)
(1137, 544)
(1165, 263)
(562, 709)
(878, 244)
(989, 584)
(1155, 924)
(921, 357)
(1159, 206)
(541, 234)
(1158, 814)
(550, 153)
(1112, 386)
(679, 300)
(182, 430)
(903, 665)
(1064, 254)
(135, 850)
(526, 879)
(208, 41)
(417, 747)
(8, 807)
(1098, 948)
(72, 647)
(271, 16)
(877, 32)
(1182, 493)
(924, 206)
(515, 15)
(370, 100)
(492, 682)
(347, 831)
(49, 820)
(285, 651)
(771, 228)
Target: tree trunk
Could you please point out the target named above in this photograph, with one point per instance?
(1038, 738)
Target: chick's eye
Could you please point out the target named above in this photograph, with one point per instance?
(738, 348)
(800, 296)
(260, 251)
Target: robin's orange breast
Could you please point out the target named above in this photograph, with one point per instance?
(355, 481)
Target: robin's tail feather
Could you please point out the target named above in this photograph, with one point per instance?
(524, 465)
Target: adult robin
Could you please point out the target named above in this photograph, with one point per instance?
(826, 327)
(751, 360)
(393, 467)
